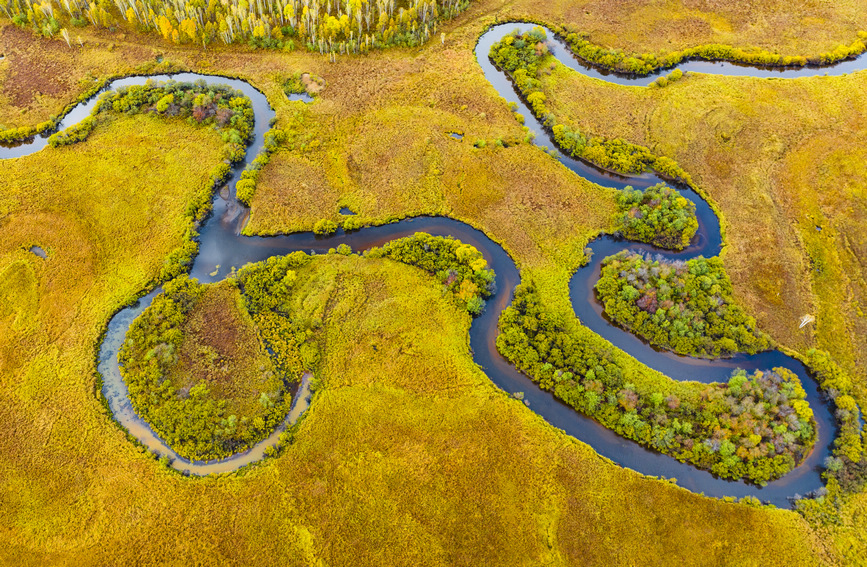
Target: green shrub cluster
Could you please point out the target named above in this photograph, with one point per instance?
(267, 285)
(685, 306)
(181, 258)
(647, 63)
(460, 267)
(13, 135)
(324, 227)
(245, 188)
(666, 80)
(227, 110)
(756, 427)
(267, 288)
(353, 223)
(74, 134)
(293, 84)
(658, 215)
(195, 423)
(848, 466)
(521, 56)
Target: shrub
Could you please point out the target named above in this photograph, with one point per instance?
(244, 190)
(352, 223)
(687, 307)
(325, 227)
(658, 215)
(73, 134)
(164, 103)
(848, 466)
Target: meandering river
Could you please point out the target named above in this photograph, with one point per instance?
(222, 247)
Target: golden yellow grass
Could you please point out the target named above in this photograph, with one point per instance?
(410, 449)
(409, 455)
(652, 26)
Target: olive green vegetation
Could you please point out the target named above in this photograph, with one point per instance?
(325, 164)
(200, 374)
(848, 465)
(460, 267)
(376, 141)
(741, 429)
(684, 306)
(658, 215)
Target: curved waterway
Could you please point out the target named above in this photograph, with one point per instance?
(564, 55)
(222, 248)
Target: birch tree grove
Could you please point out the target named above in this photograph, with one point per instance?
(327, 26)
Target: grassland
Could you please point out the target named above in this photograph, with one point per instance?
(658, 26)
(444, 468)
(408, 453)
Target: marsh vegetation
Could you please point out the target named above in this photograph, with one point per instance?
(416, 403)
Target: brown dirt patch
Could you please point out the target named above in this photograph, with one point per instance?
(216, 331)
(313, 86)
(30, 76)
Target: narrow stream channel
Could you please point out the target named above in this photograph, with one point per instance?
(222, 248)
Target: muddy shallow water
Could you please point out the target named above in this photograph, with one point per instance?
(222, 248)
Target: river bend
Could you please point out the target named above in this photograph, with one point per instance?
(222, 247)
